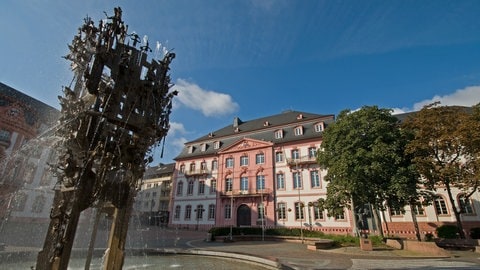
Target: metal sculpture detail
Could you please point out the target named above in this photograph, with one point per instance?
(116, 112)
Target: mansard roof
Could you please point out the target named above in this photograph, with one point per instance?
(159, 170)
(262, 129)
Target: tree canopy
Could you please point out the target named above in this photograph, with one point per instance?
(362, 151)
(445, 149)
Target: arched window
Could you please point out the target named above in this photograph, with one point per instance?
(191, 183)
(177, 212)
(440, 206)
(179, 188)
(188, 212)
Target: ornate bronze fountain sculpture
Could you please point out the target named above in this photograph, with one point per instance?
(113, 116)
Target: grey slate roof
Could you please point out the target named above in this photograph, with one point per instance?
(256, 129)
(159, 170)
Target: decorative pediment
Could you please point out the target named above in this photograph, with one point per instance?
(246, 144)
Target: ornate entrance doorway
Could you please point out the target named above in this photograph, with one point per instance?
(244, 216)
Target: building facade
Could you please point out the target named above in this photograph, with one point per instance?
(255, 173)
(25, 183)
(264, 173)
(153, 198)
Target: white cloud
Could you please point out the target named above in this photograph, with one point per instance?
(176, 128)
(468, 96)
(210, 103)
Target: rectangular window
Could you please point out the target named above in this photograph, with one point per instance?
(280, 181)
(228, 184)
(396, 211)
(319, 127)
(260, 158)
(229, 163)
(340, 216)
(216, 145)
(281, 211)
(278, 134)
(465, 205)
(228, 211)
(211, 211)
(201, 187)
(244, 161)
(295, 154)
(317, 213)
(315, 179)
(418, 208)
(299, 215)
(279, 157)
(260, 182)
(312, 152)
(244, 183)
(297, 180)
(261, 211)
(213, 186)
(199, 212)
(298, 131)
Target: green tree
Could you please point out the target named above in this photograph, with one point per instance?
(445, 150)
(362, 151)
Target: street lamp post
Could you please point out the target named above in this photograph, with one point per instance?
(300, 204)
(310, 204)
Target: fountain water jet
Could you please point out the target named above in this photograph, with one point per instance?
(111, 120)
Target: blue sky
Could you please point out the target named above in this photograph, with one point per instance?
(254, 58)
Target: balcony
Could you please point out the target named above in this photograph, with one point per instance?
(305, 160)
(196, 172)
(245, 193)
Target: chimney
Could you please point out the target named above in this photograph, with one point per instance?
(236, 122)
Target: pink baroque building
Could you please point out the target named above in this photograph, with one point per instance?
(261, 172)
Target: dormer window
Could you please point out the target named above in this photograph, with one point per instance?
(204, 147)
(279, 134)
(190, 149)
(300, 116)
(216, 144)
(298, 131)
(266, 124)
(319, 127)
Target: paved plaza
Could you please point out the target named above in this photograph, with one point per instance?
(291, 255)
(297, 256)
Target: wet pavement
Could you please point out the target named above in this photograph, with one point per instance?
(295, 255)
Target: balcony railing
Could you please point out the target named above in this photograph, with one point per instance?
(196, 172)
(292, 162)
(246, 192)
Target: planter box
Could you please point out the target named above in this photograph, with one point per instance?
(320, 244)
(430, 248)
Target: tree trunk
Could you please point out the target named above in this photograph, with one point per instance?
(415, 222)
(378, 222)
(456, 211)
